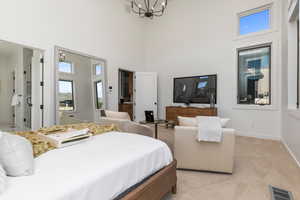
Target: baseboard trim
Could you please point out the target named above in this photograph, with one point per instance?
(259, 136)
(290, 152)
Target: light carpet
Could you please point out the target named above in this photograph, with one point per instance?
(258, 163)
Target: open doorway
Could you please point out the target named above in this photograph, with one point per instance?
(80, 87)
(21, 87)
(126, 92)
(137, 93)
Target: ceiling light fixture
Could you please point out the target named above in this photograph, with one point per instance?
(149, 8)
(61, 56)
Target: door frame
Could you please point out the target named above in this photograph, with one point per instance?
(56, 76)
(42, 77)
(119, 90)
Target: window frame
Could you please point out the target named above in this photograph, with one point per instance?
(96, 93)
(253, 11)
(72, 68)
(73, 95)
(267, 45)
(97, 78)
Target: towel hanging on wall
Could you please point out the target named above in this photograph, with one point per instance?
(15, 100)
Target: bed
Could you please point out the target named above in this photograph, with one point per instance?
(114, 165)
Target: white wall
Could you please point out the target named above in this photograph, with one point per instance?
(291, 116)
(200, 37)
(102, 28)
(194, 37)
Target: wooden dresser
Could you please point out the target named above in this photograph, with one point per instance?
(172, 112)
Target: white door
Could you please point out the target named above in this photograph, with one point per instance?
(145, 94)
(27, 88)
(37, 91)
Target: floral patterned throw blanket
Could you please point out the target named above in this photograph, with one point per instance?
(41, 146)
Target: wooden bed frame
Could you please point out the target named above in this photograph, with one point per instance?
(157, 186)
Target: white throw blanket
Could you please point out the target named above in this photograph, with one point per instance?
(15, 101)
(209, 129)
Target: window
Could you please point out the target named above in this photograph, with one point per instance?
(99, 94)
(66, 95)
(99, 84)
(98, 69)
(65, 67)
(254, 75)
(255, 22)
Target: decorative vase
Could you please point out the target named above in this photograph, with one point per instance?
(212, 100)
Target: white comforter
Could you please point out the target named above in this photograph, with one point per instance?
(99, 169)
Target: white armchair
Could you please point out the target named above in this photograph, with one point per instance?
(65, 118)
(117, 115)
(204, 156)
(123, 121)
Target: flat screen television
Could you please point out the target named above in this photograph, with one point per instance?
(195, 89)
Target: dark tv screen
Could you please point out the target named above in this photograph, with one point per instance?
(196, 89)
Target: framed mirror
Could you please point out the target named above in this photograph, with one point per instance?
(22, 87)
(80, 86)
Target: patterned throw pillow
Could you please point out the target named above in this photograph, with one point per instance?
(39, 145)
(2, 180)
(94, 128)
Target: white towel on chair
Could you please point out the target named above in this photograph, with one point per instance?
(209, 129)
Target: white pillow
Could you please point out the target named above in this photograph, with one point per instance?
(187, 121)
(3, 179)
(192, 121)
(16, 155)
(224, 122)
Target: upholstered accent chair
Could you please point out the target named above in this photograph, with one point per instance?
(204, 156)
(65, 118)
(124, 123)
(117, 115)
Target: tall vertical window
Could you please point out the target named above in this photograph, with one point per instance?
(66, 95)
(99, 94)
(65, 67)
(99, 83)
(98, 69)
(254, 22)
(254, 75)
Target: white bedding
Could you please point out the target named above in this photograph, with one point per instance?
(99, 169)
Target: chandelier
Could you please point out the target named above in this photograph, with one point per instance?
(149, 8)
(61, 56)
